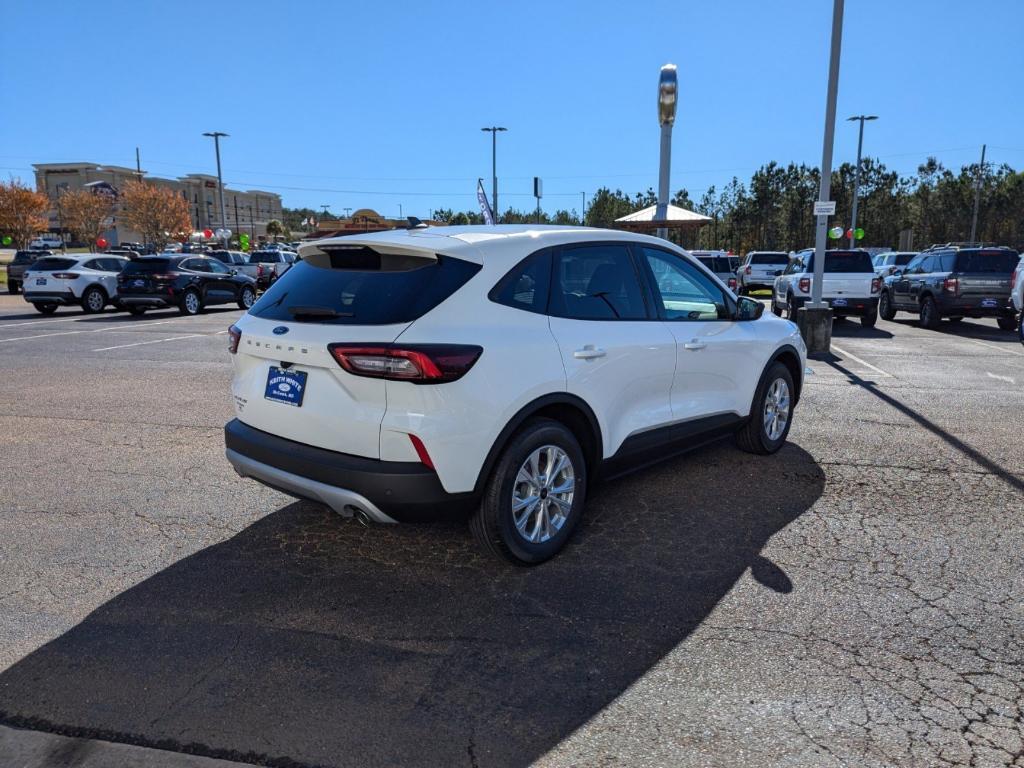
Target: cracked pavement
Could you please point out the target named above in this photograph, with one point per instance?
(855, 600)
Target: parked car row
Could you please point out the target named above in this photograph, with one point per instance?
(94, 281)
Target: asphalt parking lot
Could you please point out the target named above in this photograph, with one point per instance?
(854, 600)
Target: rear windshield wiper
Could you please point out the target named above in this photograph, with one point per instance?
(317, 312)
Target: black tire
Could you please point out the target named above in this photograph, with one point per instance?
(12, 287)
(93, 300)
(493, 524)
(137, 311)
(753, 436)
(46, 309)
(191, 302)
(930, 317)
(957, 320)
(1020, 327)
(776, 309)
(1008, 323)
(868, 321)
(246, 297)
(885, 308)
(790, 308)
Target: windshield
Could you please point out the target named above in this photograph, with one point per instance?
(146, 266)
(49, 264)
(988, 262)
(363, 293)
(769, 258)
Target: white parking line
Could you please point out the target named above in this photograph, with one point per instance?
(42, 321)
(1000, 378)
(865, 363)
(153, 341)
(1001, 349)
(114, 329)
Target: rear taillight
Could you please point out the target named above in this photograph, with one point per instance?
(421, 451)
(804, 284)
(65, 275)
(951, 285)
(164, 276)
(259, 270)
(747, 270)
(234, 337)
(876, 285)
(732, 283)
(418, 363)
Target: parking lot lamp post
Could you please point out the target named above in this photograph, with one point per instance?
(815, 319)
(494, 168)
(215, 135)
(667, 88)
(856, 176)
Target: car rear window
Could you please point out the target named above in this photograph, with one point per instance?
(986, 261)
(843, 262)
(363, 287)
(22, 257)
(50, 264)
(769, 258)
(271, 257)
(146, 266)
(902, 259)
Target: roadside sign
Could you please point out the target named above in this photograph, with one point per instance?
(824, 208)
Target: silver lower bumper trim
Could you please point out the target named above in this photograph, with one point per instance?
(338, 499)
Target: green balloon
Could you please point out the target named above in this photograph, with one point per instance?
(7, 239)
(835, 233)
(858, 233)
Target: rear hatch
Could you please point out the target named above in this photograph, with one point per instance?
(765, 265)
(985, 274)
(848, 274)
(145, 276)
(50, 274)
(288, 383)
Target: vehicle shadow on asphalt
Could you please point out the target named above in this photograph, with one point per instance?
(308, 639)
(852, 329)
(970, 330)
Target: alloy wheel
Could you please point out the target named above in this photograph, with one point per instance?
(95, 301)
(776, 409)
(542, 494)
(191, 303)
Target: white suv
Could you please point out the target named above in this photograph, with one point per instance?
(88, 281)
(499, 372)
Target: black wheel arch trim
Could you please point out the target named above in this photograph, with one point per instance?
(95, 285)
(798, 379)
(593, 453)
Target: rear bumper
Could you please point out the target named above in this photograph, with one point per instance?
(855, 307)
(971, 306)
(387, 491)
(147, 301)
(51, 297)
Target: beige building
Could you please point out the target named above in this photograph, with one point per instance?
(246, 211)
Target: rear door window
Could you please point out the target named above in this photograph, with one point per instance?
(596, 282)
(986, 262)
(363, 287)
(526, 285)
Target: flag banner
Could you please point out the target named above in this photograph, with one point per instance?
(485, 207)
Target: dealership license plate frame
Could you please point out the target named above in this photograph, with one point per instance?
(286, 385)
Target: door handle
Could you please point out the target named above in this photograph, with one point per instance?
(589, 352)
(694, 345)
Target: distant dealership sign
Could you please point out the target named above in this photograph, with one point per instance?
(825, 208)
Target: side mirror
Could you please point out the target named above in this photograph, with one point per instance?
(234, 271)
(777, 272)
(897, 273)
(748, 308)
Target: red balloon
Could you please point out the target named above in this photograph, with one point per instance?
(101, 242)
(849, 234)
(207, 233)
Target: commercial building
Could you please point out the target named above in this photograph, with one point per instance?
(247, 211)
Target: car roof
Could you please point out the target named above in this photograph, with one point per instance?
(465, 241)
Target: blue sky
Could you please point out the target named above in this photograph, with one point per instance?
(380, 104)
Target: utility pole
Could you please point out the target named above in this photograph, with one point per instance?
(815, 320)
(856, 175)
(494, 168)
(583, 210)
(977, 195)
(216, 135)
(238, 229)
(138, 164)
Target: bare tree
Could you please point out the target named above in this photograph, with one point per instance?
(22, 212)
(85, 213)
(158, 214)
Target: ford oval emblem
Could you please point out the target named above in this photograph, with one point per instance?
(281, 330)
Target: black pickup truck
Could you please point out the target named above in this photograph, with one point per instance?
(954, 282)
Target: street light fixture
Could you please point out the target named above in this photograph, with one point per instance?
(216, 136)
(856, 175)
(494, 167)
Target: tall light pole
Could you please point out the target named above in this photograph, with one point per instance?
(667, 89)
(494, 168)
(856, 175)
(815, 320)
(977, 195)
(215, 135)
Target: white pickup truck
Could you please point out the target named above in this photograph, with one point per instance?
(851, 286)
